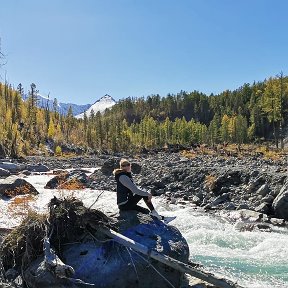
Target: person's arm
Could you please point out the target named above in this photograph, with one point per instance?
(125, 180)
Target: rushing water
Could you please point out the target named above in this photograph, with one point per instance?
(252, 258)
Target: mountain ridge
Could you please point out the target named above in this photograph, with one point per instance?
(78, 110)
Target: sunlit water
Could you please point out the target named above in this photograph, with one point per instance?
(253, 259)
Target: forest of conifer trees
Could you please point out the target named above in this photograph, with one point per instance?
(249, 114)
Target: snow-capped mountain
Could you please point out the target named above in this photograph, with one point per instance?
(100, 105)
(44, 102)
(78, 110)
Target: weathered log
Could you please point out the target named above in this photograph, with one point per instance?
(169, 261)
(53, 262)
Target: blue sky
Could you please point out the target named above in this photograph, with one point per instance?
(79, 50)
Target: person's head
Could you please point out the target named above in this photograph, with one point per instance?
(125, 165)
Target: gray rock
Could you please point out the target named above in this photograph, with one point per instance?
(277, 222)
(109, 165)
(263, 208)
(4, 172)
(136, 168)
(63, 180)
(109, 264)
(230, 206)
(221, 199)
(280, 204)
(11, 274)
(12, 167)
(250, 215)
(160, 192)
(268, 199)
(38, 168)
(263, 190)
(13, 186)
(196, 200)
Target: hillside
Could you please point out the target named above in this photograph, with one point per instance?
(251, 113)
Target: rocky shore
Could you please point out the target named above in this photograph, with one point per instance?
(214, 183)
(211, 182)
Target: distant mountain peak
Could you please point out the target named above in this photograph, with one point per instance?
(105, 102)
(106, 97)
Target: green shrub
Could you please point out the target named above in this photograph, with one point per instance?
(58, 151)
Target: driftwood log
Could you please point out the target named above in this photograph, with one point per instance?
(169, 261)
(54, 263)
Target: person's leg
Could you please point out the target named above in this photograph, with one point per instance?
(148, 203)
(132, 204)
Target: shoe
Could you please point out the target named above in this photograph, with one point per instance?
(155, 214)
(167, 220)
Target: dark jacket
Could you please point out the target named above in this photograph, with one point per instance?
(123, 193)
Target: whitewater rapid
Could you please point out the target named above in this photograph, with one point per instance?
(253, 259)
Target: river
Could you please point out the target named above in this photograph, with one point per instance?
(251, 258)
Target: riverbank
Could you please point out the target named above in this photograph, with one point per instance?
(212, 182)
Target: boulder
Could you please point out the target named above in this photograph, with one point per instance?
(70, 148)
(227, 179)
(4, 173)
(268, 199)
(124, 268)
(230, 206)
(263, 190)
(75, 179)
(221, 199)
(280, 203)
(196, 200)
(13, 186)
(95, 260)
(242, 206)
(136, 168)
(263, 208)
(12, 167)
(113, 163)
(38, 168)
(109, 165)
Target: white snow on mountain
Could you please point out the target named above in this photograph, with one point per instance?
(78, 110)
(100, 105)
(45, 101)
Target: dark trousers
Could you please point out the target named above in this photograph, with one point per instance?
(132, 204)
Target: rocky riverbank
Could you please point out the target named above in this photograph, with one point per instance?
(207, 181)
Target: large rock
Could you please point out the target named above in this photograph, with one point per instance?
(280, 203)
(4, 173)
(75, 179)
(13, 186)
(40, 168)
(233, 177)
(119, 261)
(263, 190)
(12, 167)
(113, 163)
(136, 168)
(108, 264)
(109, 165)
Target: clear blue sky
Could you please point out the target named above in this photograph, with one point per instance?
(79, 50)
